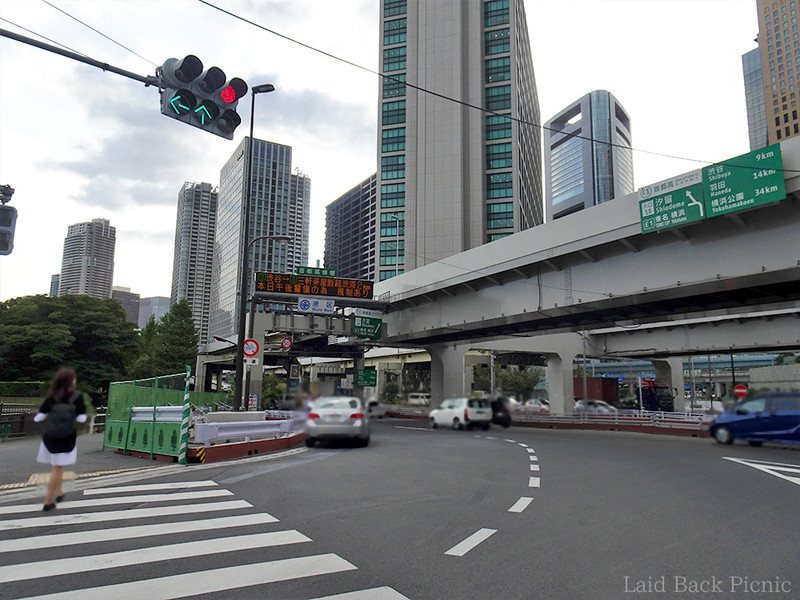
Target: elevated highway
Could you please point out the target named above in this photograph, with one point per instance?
(737, 277)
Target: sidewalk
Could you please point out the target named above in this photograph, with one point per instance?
(18, 459)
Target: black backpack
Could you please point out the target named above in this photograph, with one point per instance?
(60, 421)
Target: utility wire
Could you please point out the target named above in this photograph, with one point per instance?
(98, 32)
(43, 37)
(467, 104)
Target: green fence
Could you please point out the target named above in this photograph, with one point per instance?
(140, 418)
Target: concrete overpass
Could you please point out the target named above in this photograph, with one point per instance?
(594, 280)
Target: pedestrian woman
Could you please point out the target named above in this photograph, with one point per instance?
(62, 407)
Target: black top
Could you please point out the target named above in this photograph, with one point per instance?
(63, 445)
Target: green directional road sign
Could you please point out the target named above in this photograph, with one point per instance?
(677, 207)
(367, 327)
(746, 181)
(366, 377)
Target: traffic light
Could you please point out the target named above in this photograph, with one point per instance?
(203, 99)
(8, 221)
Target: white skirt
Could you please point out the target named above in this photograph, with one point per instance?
(59, 458)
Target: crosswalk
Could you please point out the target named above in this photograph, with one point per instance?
(89, 534)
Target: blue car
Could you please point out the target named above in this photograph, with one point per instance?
(760, 418)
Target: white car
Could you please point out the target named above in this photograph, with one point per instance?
(462, 412)
(594, 407)
(337, 417)
(376, 409)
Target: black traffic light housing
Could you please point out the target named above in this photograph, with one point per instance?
(203, 99)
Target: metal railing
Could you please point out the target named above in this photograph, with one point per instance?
(208, 433)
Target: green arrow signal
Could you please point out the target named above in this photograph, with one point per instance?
(203, 114)
(178, 106)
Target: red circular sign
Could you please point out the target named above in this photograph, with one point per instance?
(250, 348)
(740, 390)
(286, 343)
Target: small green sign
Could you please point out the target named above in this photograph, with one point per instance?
(366, 377)
(746, 181)
(677, 207)
(367, 327)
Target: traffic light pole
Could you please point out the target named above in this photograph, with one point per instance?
(147, 80)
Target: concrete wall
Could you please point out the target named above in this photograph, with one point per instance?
(778, 378)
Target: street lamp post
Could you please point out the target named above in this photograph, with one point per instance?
(245, 246)
(396, 220)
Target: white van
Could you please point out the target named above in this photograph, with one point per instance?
(416, 399)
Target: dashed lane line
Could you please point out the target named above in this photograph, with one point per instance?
(521, 504)
(471, 542)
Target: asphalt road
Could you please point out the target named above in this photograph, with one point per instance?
(422, 514)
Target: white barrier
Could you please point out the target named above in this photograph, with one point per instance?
(206, 433)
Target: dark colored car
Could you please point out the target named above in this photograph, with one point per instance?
(760, 418)
(501, 411)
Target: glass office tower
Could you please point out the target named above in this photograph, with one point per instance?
(460, 166)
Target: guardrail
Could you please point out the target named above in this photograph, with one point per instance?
(12, 419)
(97, 422)
(653, 422)
(206, 433)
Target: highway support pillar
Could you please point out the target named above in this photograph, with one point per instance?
(671, 371)
(560, 373)
(448, 376)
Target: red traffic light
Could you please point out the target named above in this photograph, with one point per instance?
(235, 89)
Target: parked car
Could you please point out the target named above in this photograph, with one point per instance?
(594, 407)
(759, 418)
(376, 409)
(462, 412)
(535, 406)
(337, 417)
(419, 399)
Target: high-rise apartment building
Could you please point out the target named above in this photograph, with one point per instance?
(350, 234)
(460, 166)
(779, 47)
(280, 202)
(588, 157)
(754, 99)
(129, 301)
(87, 265)
(195, 229)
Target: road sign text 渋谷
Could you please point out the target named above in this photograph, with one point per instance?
(287, 283)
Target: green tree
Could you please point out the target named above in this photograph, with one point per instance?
(272, 387)
(174, 342)
(143, 366)
(520, 382)
(38, 334)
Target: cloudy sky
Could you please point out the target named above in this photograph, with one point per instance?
(78, 143)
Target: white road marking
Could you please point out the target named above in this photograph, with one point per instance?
(150, 487)
(531, 451)
(534, 458)
(488, 437)
(534, 467)
(179, 496)
(117, 515)
(776, 469)
(533, 482)
(210, 581)
(136, 531)
(524, 445)
(510, 441)
(520, 505)
(98, 562)
(379, 593)
(413, 428)
(468, 544)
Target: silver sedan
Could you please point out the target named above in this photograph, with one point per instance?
(337, 417)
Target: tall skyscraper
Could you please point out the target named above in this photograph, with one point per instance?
(54, 279)
(588, 157)
(195, 229)
(452, 177)
(280, 202)
(87, 265)
(754, 99)
(350, 234)
(779, 47)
